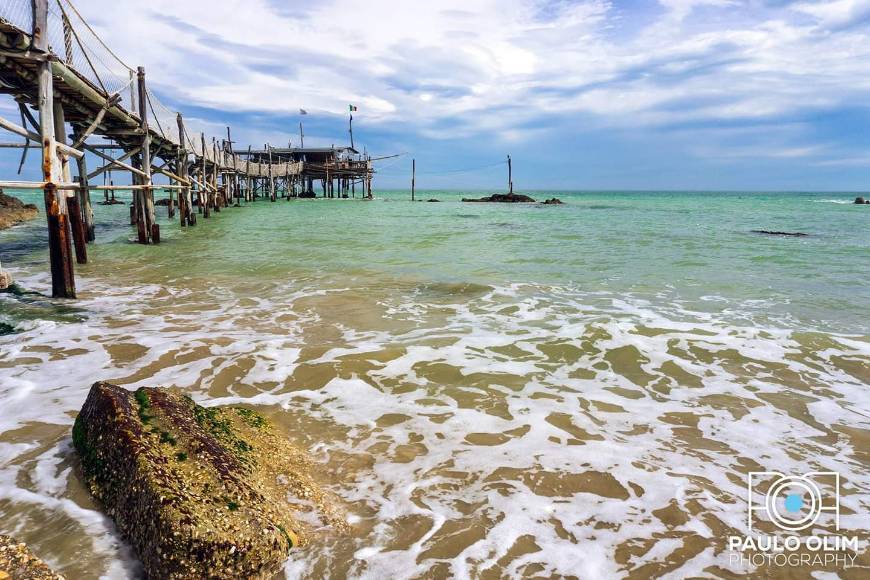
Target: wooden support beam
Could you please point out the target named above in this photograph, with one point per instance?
(181, 170)
(271, 179)
(59, 243)
(75, 202)
(151, 226)
(114, 162)
(18, 130)
(206, 209)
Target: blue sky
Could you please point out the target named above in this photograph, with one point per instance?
(674, 94)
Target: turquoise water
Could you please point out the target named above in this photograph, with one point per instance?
(687, 246)
(487, 387)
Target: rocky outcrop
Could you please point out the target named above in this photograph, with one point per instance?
(553, 201)
(502, 198)
(861, 201)
(17, 562)
(14, 211)
(772, 233)
(198, 492)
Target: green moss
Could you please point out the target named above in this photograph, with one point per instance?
(91, 463)
(144, 406)
(252, 418)
(232, 506)
(181, 456)
(166, 437)
(216, 424)
(285, 534)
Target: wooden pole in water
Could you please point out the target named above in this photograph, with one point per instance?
(203, 190)
(271, 178)
(510, 177)
(59, 246)
(413, 177)
(181, 170)
(249, 195)
(214, 176)
(151, 226)
(85, 195)
(77, 225)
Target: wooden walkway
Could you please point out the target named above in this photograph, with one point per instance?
(62, 76)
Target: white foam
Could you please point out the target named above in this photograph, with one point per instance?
(467, 336)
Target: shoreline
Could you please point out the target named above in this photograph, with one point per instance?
(13, 211)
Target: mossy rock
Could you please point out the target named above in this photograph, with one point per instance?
(198, 492)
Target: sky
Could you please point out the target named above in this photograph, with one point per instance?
(667, 94)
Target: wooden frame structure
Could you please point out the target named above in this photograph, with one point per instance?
(71, 91)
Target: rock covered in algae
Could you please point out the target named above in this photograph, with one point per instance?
(198, 492)
(17, 562)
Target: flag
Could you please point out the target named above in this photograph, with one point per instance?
(303, 112)
(352, 108)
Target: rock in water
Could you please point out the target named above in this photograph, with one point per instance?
(553, 201)
(860, 201)
(18, 562)
(198, 492)
(502, 198)
(14, 211)
(773, 233)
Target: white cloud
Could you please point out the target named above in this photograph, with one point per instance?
(495, 66)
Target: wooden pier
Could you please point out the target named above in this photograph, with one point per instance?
(71, 88)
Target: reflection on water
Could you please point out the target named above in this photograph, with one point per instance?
(484, 417)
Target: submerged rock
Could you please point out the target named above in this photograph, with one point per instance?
(14, 211)
(502, 198)
(553, 201)
(198, 492)
(861, 201)
(18, 562)
(433, 200)
(772, 233)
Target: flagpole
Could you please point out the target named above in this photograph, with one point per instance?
(301, 137)
(351, 130)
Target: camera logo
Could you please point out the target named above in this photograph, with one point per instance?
(793, 502)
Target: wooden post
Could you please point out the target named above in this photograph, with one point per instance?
(59, 246)
(85, 196)
(203, 190)
(152, 228)
(271, 178)
(249, 195)
(181, 170)
(214, 176)
(74, 206)
(413, 177)
(510, 177)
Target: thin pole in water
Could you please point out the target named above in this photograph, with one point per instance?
(510, 177)
(413, 177)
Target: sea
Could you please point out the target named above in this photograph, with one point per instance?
(488, 390)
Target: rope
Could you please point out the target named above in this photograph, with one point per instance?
(100, 40)
(68, 26)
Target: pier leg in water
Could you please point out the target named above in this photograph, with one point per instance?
(74, 208)
(85, 195)
(59, 243)
(151, 227)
